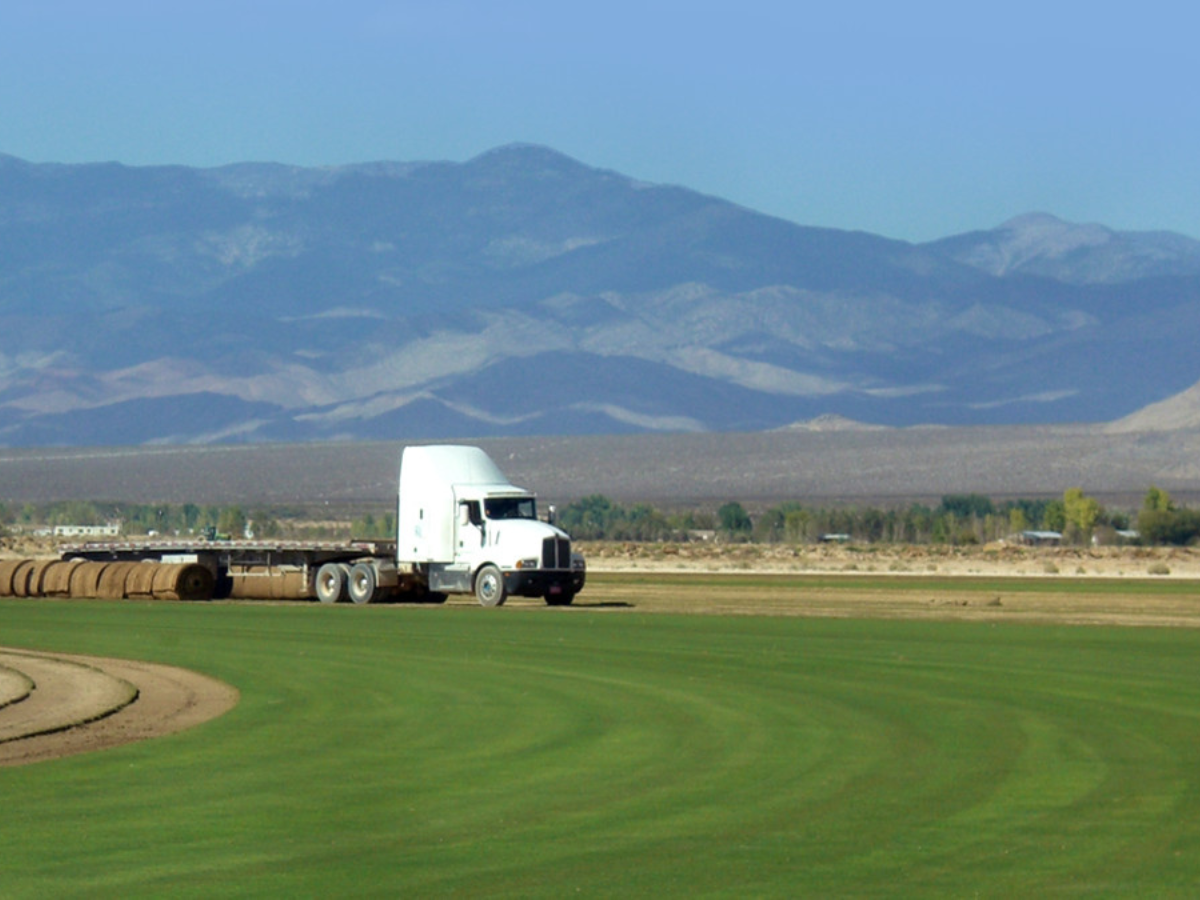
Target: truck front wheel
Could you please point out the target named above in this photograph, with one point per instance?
(489, 587)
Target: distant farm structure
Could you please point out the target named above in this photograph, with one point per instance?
(1040, 538)
(112, 529)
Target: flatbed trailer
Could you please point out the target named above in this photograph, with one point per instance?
(251, 568)
(220, 554)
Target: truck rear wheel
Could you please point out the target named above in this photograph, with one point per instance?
(363, 583)
(489, 587)
(331, 582)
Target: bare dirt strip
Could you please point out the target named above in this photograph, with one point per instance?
(54, 705)
(14, 686)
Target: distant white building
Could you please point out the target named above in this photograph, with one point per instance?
(1040, 538)
(112, 529)
(834, 538)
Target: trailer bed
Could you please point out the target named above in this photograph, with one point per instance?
(223, 554)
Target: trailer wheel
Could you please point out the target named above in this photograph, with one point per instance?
(489, 587)
(362, 583)
(331, 582)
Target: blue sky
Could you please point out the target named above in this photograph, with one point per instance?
(913, 120)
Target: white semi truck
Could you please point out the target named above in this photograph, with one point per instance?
(462, 528)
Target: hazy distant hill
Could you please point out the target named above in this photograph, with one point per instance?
(1178, 412)
(1040, 244)
(523, 292)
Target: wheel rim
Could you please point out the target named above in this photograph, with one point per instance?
(331, 583)
(362, 585)
(490, 588)
(326, 588)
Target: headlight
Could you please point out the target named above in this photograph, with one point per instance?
(531, 563)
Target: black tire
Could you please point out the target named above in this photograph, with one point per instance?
(489, 586)
(362, 585)
(565, 598)
(330, 585)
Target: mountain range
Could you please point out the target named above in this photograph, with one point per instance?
(523, 292)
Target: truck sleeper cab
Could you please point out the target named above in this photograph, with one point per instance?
(469, 530)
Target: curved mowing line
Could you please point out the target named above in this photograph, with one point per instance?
(71, 702)
(849, 762)
(15, 686)
(443, 751)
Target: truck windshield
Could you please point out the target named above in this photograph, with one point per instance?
(510, 508)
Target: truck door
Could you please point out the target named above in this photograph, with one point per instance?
(472, 530)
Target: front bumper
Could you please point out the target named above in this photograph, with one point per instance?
(544, 582)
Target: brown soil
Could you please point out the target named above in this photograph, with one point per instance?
(60, 704)
(993, 583)
(751, 594)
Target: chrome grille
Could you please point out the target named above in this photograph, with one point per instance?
(556, 553)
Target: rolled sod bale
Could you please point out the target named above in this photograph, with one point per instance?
(249, 583)
(266, 583)
(196, 582)
(52, 577)
(35, 587)
(183, 581)
(139, 583)
(85, 580)
(163, 585)
(20, 577)
(112, 582)
(289, 584)
(56, 582)
(7, 568)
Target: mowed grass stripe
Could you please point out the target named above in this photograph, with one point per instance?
(542, 752)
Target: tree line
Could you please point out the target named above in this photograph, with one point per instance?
(957, 519)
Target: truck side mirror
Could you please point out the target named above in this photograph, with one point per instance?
(551, 514)
(469, 512)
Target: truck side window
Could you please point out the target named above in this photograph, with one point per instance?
(474, 516)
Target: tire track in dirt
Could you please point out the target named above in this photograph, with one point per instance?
(65, 694)
(14, 686)
(78, 704)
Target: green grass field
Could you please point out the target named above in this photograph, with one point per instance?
(536, 752)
